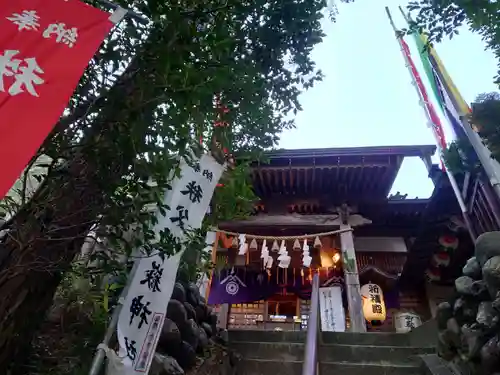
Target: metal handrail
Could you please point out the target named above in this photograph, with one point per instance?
(313, 328)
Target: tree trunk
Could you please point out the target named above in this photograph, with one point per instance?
(48, 233)
(44, 240)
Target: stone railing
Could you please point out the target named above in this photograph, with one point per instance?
(469, 324)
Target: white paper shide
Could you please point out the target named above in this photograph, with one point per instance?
(144, 309)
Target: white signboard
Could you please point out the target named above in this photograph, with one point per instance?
(144, 309)
(331, 309)
(406, 321)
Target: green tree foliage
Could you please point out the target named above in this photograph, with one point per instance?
(485, 117)
(443, 18)
(147, 98)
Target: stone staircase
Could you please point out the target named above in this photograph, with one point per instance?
(282, 353)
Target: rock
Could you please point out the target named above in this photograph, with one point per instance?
(179, 293)
(472, 269)
(201, 313)
(445, 348)
(207, 328)
(203, 339)
(471, 340)
(491, 275)
(490, 355)
(191, 313)
(177, 313)
(443, 313)
(165, 365)
(465, 310)
(452, 332)
(212, 319)
(170, 335)
(496, 302)
(193, 294)
(464, 285)
(480, 290)
(184, 354)
(190, 333)
(485, 314)
(487, 246)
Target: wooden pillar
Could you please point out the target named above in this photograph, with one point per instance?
(353, 289)
(223, 316)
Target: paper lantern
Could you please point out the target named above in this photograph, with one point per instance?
(441, 259)
(448, 242)
(433, 274)
(373, 303)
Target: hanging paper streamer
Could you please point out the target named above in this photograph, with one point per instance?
(306, 258)
(269, 262)
(282, 249)
(317, 243)
(243, 244)
(264, 253)
(275, 246)
(284, 258)
(253, 245)
(296, 245)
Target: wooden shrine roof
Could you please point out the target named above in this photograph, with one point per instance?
(343, 174)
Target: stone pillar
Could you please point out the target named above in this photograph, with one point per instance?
(353, 289)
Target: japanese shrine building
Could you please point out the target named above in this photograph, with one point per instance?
(412, 249)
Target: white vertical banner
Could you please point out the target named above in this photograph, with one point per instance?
(144, 308)
(331, 309)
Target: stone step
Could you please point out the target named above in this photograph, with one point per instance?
(367, 368)
(269, 350)
(372, 338)
(331, 353)
(269, 367)
(267, 336)
(398, 355)
(277, 367)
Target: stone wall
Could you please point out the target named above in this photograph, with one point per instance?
(190, 342)
(469, 324)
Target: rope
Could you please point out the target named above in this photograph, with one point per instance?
(280, 238)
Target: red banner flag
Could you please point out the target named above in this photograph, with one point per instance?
(45, 46)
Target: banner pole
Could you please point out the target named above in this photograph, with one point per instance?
(130, 14)
(110, 331)
(423, 104)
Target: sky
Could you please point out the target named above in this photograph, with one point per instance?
(367, 98)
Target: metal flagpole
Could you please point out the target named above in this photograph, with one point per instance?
(482, 152)
(453, 181)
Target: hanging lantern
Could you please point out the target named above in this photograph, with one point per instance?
(433, 274)
(448, 242)
(373, 303)
(441, 259)
(317, 243)
(253, 245)
(275, 248)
